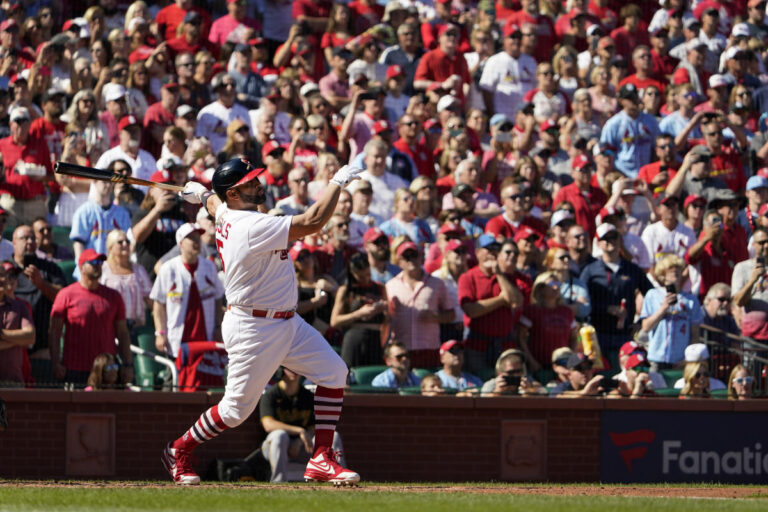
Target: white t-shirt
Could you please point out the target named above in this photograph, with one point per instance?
(660, 241)
(213, 119)
(142, 167)
(258, 273)
(509, 79)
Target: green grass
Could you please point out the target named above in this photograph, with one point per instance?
(250, 497)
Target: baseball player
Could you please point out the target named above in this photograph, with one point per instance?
(260, 329)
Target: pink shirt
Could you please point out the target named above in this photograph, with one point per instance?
(132, 287)
(225, 25)
(406, 306)
(361, 133)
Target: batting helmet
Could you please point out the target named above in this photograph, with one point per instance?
(232, 173)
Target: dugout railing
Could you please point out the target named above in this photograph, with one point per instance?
(727, 350)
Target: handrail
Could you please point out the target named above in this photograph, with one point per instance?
(161, 360)
(743, 339)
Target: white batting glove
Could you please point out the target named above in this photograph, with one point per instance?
(345, 175)
(195, 192)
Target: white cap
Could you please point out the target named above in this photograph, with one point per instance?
(202, 213)
(19, 113)
(603, 229)
(169, 162)
(136, 22)
(696, 352)
(740, 30)
(559, 216)
(446, 102)
(308, 89)
(187, 229)
(592, 29)
(693, 44)
(732, 52)
(113, 92)
(717, 80)
(85, 32)
(183, 110)
(626, 192)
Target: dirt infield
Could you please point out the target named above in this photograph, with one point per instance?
(660, 491)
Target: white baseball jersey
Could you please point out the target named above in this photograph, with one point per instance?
(258, 273)
(213, 119)
(172, 289)
(508, 79)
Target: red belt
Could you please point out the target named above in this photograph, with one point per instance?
(266, 314)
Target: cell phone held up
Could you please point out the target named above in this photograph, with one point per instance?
(671, 289)
(512, 380)
(28, 260)
(760, 260)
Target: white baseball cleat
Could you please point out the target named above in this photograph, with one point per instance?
(179, 464)
(324, 468)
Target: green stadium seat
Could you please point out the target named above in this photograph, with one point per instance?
(720, 393)
(67, 267)
(147, 370)
(61, 236)
(410, 390)
(486, 374)
(368, 389)
(668, 392)
(671, 376)
(423, 372)
(364, 375)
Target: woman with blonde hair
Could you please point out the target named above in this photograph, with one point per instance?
(696, 377)
(137, 9)
(82, 117)
(138, 89)
(425, 201)
(546, 324)
(566, 70)
(239, 143)
(741, 383)
(104, 373)
(603, 94)
(94, 15)
(120, 43)
(130, 279)
(327, 165)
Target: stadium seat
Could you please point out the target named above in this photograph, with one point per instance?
(668, 392)
(61, 236)
(422, 372)
(364, 375)
(368, 389)
(147, 370)
(671, 376)
(720, 393)
(68, 266)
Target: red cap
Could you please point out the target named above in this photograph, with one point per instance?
(394, 71)
(406, 246)
(447, 27)
(763, 210)
(510, 28)
(760, 172)
(5, 25)
(269, 147)
(579, 162)
(373, 234)
(453, 244)
(161, 177)
(525, 232)
(297, 249)
(637, 359)
(257, 41)
(430, 123)
(449, 227)
(10, 267)
(380, 126)
(443, 1)
(89, 255)
(448, 345)
(629, 348)
(693, 198)
(547, 124)
(127, 121)
(171, 85)
(140, 53)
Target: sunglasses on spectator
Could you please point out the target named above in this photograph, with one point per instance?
(96, 263)
(111, 367)
(460, 251)
(410, 123)
(701, 374)
(410, 255)
(561, 362)
(340, 224)
(724, 299)
(382, 242)
(743, 380)
(564, 257)
(402, 356)
(583, 368)
(520, 196)
(666, 146)
(123, 242)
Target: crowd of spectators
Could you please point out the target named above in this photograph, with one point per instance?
(537, 172)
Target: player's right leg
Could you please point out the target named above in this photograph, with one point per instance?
(254, 356)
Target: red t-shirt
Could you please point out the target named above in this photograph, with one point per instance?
(546, 38)
(311, 8)
(549, 329)
(586, 204)
(435, 65)
(642, 84)
(194, 320)
(180, 45)
(365, 15)
(172, 16)
(425, 163)
(499, 226)
(649, 171)
(89, 319)
(626, 42)
(21, 160)
(52, 133)
(502, 13)
(474, 286)
(715, 266)
(605, 14)
(727, 166)
(663, 65)
(330, 40)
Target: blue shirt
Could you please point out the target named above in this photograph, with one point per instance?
(572, 291)
(387, 379)
(634, 138)
(418, 230)
(465, 381)
(91, 224)
(390, 271)
(668, 339)
(674, 123)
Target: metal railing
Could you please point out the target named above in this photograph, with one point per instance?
(160, 360)
(727, 350)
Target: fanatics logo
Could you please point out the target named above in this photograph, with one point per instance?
(633, 445)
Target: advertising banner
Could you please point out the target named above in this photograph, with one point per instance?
(646, 446)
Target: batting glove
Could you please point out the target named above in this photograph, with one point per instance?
(195, 193)
(345, 175)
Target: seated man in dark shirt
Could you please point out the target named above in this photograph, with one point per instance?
(18, 333)
(582, 380)
(287, 415)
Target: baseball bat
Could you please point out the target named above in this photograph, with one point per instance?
(104, 175)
